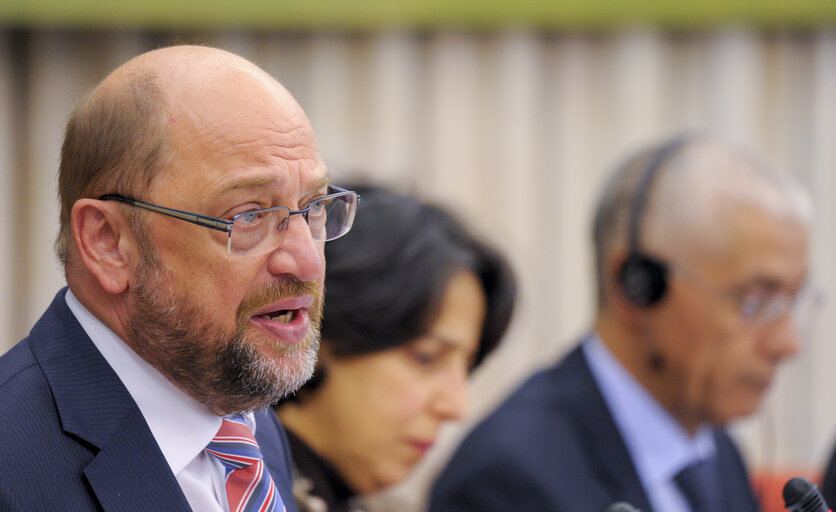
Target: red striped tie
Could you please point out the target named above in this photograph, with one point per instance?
(249, 487)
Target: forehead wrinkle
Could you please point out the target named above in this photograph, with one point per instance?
(265, 145)
(297, 143)
(267, 180)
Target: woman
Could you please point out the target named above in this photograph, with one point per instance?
(413, 303)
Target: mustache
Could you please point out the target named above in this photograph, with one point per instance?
(277, 291)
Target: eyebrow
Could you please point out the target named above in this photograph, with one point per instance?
(443, 341)
(269, 180)
(254, 182)
(448, 345)
(769, 284)
(324, 181)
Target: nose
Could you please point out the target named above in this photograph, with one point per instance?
(784, 339)
(450, 401)
(298, 255)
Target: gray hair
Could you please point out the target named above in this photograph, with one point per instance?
(694, 188)
(115, 142)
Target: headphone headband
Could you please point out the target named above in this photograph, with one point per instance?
(642, 277)
(643, 189)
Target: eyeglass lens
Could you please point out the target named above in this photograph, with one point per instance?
(261, 231)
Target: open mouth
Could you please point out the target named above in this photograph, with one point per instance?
(284, 316)
(286, 320)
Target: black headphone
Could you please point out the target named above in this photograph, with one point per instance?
(644, 278)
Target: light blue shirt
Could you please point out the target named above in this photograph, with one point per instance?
(658, 445)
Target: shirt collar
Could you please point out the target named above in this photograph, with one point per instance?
(181, 425)
(657, 443)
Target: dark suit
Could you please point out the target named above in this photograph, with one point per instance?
(554, 446)
(72, 438)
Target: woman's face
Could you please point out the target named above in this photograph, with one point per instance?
(382, 411)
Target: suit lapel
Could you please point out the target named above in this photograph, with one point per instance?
(613, 460)
(607, 447)
(128, 471)
(276, 452)
(733, 474)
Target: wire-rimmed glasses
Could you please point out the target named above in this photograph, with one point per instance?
(760, 305)
(260, 231)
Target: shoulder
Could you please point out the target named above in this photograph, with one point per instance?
(34, 440)
(548, 403)
(14, 363)
(538, 444)
(24, 393)
(26, 405)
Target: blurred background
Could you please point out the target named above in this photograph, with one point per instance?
(510, 113)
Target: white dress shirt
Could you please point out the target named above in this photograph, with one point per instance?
(658, 445)
(181, 426)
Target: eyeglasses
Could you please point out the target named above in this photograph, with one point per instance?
(762, 306)
(765, 307)
(260, 231)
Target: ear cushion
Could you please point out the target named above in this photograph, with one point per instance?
(643, 279)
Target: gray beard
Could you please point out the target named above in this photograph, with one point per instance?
(224, 371)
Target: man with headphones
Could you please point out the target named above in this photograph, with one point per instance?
(701, 253)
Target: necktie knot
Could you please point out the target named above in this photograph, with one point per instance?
(701, 485)
(248, 484)
(234, 444)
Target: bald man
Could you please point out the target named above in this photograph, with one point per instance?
(701, 254)
(194, 209)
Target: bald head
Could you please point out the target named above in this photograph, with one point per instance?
(142, 115)
(694, 199)
(189, 75)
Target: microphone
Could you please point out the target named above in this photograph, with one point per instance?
(621, 506)
(802, 495)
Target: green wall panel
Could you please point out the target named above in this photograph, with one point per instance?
(414, 14)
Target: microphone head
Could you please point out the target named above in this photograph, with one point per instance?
(621, 507)
(802, 495)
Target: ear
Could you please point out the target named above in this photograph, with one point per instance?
(622, 308)
(105, 243)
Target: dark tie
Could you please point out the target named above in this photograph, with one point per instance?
(700, 483)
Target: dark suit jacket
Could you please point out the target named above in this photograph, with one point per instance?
(553, 446)
(72, 438)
